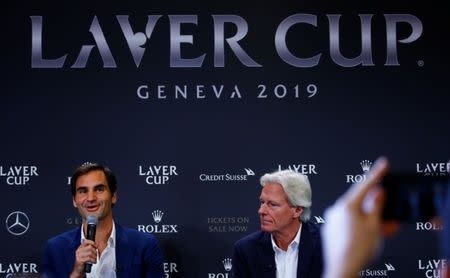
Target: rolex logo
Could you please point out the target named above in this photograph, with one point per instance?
(365, 165)
(158, 228)
(157, 215)
(227, 264)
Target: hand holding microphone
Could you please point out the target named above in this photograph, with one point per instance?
(86, 254)
(91, 222)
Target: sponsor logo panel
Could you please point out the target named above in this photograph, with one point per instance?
(378, 272)
(225, 272)
(431, 268)
(431, 169)
(17, 175)
(305, 169)
(317, 219)
(158, 227)
(19, 269)
(17, 223)
(228, 224)
(157, 174)
(354, 178)
(241, 175)
(170, 268)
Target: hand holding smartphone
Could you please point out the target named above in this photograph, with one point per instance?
(412, 197)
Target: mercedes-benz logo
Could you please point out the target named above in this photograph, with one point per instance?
(17, 223)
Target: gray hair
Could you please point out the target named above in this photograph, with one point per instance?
(296, 186)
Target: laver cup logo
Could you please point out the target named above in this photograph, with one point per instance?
(157, 174)
(135, 39)
(305, 169)
(170, 268)
(433, 168)
(432, 268)
(18, 175)
(18, 269)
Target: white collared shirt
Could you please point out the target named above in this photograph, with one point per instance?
(106, 263)
(286, 261)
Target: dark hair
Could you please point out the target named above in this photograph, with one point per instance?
(89, 167)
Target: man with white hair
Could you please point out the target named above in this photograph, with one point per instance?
(288, 246)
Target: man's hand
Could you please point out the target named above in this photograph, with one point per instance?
(86, 252)
(353, 226)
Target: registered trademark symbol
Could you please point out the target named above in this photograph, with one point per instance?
(420, 63)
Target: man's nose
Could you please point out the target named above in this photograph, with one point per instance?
(91, 195)
(262, 209)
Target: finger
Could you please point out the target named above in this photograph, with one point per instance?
(90, 256)
(358, 191)
(91, 243)
(389, 228)
(88, 242)
(379, 203)
(92, 259)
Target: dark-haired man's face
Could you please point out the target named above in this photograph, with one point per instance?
(93, 195)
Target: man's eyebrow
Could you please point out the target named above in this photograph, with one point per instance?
(81, 187)
(95, 186)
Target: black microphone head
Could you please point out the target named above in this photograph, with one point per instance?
(91, 220)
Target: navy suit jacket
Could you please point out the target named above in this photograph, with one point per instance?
(137, 254)
(253, 255)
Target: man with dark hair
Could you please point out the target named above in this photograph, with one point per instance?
(117, 251)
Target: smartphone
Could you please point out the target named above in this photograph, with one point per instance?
(413, 197)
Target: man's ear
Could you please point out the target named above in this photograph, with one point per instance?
(73, 202)
(114, 198)
(298, 211)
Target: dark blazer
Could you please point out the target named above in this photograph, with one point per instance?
(253, 255)
(137, 254)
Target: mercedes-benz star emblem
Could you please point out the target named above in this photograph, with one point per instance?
(17, 223)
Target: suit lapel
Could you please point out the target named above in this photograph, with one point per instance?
(304, 249)
(72, 248)
(123, 252)
(268, 267)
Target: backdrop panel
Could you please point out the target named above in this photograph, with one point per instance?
(189, 103)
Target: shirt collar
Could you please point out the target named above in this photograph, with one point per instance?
(294, 243)
(111, 239)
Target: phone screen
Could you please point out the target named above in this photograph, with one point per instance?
(411, 197)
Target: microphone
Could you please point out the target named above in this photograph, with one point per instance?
(91, 222)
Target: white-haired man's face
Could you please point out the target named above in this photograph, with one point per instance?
(276, 214)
